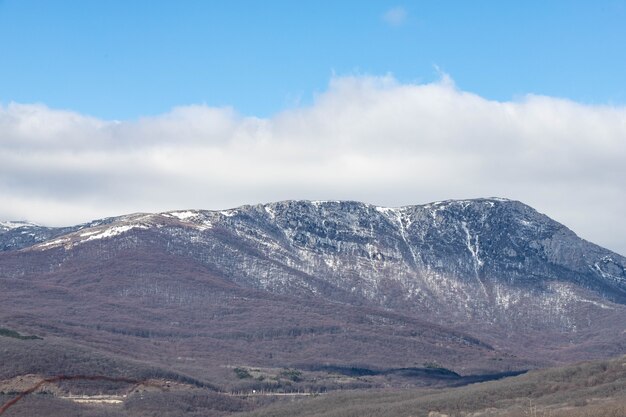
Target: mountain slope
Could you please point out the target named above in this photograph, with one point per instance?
(476, 285)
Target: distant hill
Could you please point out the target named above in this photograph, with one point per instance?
(590, 389)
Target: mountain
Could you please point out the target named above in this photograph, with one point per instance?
(475, 286)
(21, 234)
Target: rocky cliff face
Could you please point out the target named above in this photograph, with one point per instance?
(473, 264)
(489, 259)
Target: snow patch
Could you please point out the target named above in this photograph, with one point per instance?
(90, 233)
(402, 221)
(56, 242)
(206, 224)
(606, 275)
(386, 210)
(270, 210)
(183, 215)
(318, 203)
(14, 225)
(473, 248)
(113, 231)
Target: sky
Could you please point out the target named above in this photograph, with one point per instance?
(112, 107)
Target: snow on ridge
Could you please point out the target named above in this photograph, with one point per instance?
(386, 210)
(270, 211)
(183, 215)
(467, 201)
(269, 207)
(112, 231)
(89, 235)
(16, 224)
(318, 203)
(193, 218)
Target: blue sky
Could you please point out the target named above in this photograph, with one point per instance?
(125, 59)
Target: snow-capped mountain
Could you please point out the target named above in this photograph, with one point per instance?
(495, 268)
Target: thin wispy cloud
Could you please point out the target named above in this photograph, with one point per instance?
(395, 16)
(371, 139)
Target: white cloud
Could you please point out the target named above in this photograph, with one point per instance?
(366, 138)
(395, 16)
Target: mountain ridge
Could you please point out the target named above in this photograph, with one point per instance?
(558, 244)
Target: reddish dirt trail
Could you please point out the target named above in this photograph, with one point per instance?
(59, 378)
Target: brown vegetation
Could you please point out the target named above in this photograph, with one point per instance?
(595, 389)
(591, 389)
(172, 312)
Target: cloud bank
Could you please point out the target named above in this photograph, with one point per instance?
(370, 139)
